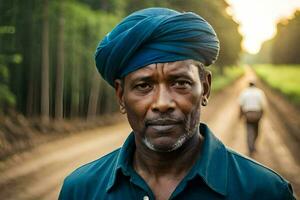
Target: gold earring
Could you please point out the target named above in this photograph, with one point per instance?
(204, 101)
(122, 109)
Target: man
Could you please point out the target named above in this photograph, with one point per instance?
(252, 103)
(155, 61)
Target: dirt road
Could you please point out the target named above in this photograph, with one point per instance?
(38, 174)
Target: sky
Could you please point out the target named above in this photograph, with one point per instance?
(258, 19)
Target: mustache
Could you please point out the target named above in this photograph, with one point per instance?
(163, 121)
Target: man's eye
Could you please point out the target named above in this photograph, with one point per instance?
(143, 86)
(182, 84)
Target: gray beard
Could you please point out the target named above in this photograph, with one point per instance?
(180, 141)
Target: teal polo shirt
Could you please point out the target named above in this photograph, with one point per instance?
(218, 173)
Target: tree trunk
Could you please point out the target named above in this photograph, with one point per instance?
(93, 99)
(45, 66)
(59, 78)
(75, 81)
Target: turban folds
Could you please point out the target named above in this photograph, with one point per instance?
(155, 35)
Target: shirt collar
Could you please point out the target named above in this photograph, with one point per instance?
(123, 161)
(211, 166)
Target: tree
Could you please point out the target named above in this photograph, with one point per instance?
(45, 65)
(286, 44)
(264, 55)
(94, 97)
(59, 78)
(7, 99)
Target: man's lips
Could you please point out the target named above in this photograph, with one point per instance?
(162, 128)
(162, 125)
(162, 122)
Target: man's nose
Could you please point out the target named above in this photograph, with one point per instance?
(163, 100)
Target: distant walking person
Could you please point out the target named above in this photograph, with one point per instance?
(252, 103)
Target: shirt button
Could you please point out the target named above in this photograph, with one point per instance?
(145, 198)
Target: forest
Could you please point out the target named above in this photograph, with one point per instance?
(284, 48)
(49, 85)
(47, 67)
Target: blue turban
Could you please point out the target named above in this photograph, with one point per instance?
(155, 35)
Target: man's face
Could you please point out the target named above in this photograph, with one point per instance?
(163, 102)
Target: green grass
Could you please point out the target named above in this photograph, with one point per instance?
(221, 81)
(284, 78)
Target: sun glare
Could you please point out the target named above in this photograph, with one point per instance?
(258, 19)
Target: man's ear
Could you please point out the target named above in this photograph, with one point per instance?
(119, 88)
(207, 84)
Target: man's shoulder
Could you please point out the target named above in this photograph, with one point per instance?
(96, 171)
(253, 167)
(257, 178)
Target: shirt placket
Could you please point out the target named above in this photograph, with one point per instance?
(140, 188)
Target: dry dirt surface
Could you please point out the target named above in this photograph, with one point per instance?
(39, 173)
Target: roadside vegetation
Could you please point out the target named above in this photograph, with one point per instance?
(230, 74)
(283, 78)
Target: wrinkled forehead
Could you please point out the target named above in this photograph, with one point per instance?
(188, 68)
